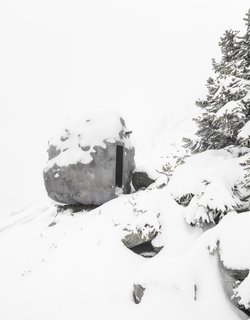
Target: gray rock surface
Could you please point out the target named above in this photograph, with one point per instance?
(141, 180)
(138, 293)
(142, 234)
(230, 278)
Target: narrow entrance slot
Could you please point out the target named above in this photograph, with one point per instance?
(119, 166)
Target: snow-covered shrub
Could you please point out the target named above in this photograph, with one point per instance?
(211, 184)
(175, 156)
(159, 166)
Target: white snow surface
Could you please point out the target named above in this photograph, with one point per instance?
(206, 166)
(165, 146)
(76, 139)
(75, 266)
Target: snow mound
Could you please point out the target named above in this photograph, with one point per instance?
(79, 261)
(78, 265)
(194, 276)
(231, 238)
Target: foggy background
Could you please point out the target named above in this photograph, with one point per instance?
(147, 59)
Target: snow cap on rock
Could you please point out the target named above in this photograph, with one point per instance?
(76, 140)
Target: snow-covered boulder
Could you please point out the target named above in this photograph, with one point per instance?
(139, 235)
(90, 160)
(212, 264)
(231, 238)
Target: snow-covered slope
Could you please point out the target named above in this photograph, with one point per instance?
(56, 264)
(75, 266)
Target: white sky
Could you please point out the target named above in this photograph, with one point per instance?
(148, 59)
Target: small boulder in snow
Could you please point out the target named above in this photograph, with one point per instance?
(141, 180)
(138, 236)
(138, 293)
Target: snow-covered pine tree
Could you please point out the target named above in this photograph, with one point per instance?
(223, 121)
(225, 112)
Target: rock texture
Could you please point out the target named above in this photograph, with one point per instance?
(82, 161)
(138, 293)
(141, 180)
(230, 278)
(140, 235)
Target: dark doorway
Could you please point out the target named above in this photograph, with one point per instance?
(119, 166)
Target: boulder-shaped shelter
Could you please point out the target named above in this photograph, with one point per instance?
(90, 161)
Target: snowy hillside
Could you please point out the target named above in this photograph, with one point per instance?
(60, 264)
(152, 218)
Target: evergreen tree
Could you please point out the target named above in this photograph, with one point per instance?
(226, 109)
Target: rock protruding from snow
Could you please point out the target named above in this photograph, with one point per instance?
(231, 238)
(139, 235)
(138, 293)
(82, 160)
(140, 222)
(141, 180)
